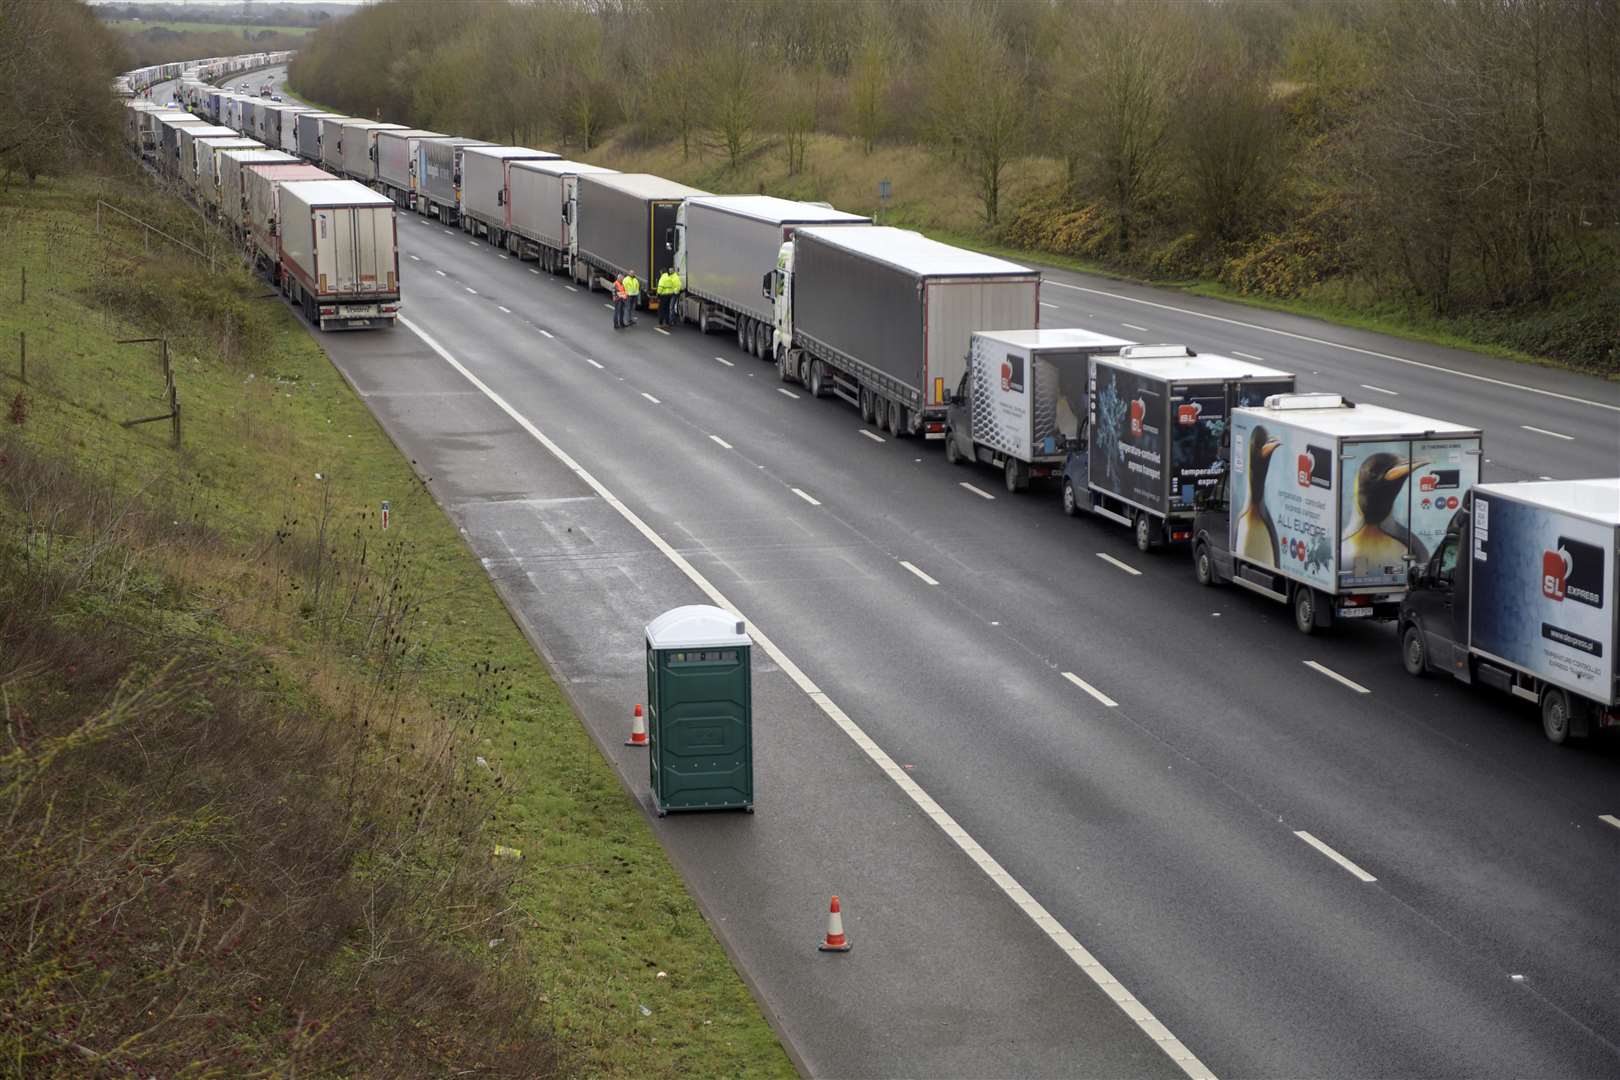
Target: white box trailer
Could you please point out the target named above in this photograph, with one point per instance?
(396, 162)
(359, 148)
(1021, 404)
(1156, 434)
(289, 125)
(339, 253)
(1328, 502)
(543, 205)
(309, 134)
(725, 244)
(882, 317)
(263, 188)
(332, 143)
(208, 165)
(485, 188)
(188, 149)
(233, 186)
(1523, 594)
(438, 177)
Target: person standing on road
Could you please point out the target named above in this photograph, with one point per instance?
(669, 292)
(632, 294)
(620, 309)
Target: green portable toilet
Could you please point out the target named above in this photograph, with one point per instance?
(699, 711)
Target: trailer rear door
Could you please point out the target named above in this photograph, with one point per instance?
(954, 308)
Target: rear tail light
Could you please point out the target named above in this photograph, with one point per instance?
(936, 425)
(389, 309)
(328, 311)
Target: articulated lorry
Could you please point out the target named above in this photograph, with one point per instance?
(1327, 503)
(1521, 595)
(1156, 435)
(339, 253)
(360, 148)
(233, 183)
(186, 167)
(208, 161)
(882, 318)
(396, 163)
(723, 243)
(486, 188)
(309, 134)
(542, 201)
(262, 184)
(626, 222)
(1021, 404)
(332, 143)
(438, 177)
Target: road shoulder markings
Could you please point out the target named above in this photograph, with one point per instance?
(915, 570)
(1335, 856)
(1336, 677)
(980, 492)
(806, 496)
(1125, 566)
(1033, 909)
(1544, 431)
(1092, 690)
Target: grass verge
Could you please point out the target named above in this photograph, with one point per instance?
(258, 752)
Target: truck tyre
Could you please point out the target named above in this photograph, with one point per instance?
(742, 332)
(1305, 601)
(818, 379)
(762, 341)
(1203, 565)
(880, 411)
(868, 406)
(784, 363)
(897, 420)
(1071, 503)
(1555, 715)
(703, 318)
(952, 455)
(1014, 476)
(1414, 651)
(1144, 531)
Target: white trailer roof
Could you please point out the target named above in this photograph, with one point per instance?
(1055, 338)
(646, 186)
(696, 626)
(782, 211)
(561, 167)
(335, 193)
(409, 133)
(1595, 500)
(915, 253)
(213, 131)
(373, 125)
(1206, 367)
(1358, 421)
(507, 153)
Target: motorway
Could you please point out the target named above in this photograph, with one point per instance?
(1081, 811)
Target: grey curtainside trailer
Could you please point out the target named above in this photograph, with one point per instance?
(627, 222)
(396, 163)
(541, 198)
(724, 243)
(309, 134)
(486, 188)
(438, 177)
(882, 317)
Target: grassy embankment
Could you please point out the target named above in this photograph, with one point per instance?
(936, 197)
(257, 752)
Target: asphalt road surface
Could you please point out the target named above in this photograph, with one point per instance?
(1080, 810)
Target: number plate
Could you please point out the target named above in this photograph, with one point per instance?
(1356, 613)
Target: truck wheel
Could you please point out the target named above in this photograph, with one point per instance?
(1144, 532)
(868, 406)
(880, 411)
(952, 454)
(762, 341)
(1555, 715)
(703, 319)
(818, 379)
(1071, 504)
(897, 419)
(1203, 565)
(784, 362)
(1014, 476)
(1305, 601)
(1414, 653)
(742, 332)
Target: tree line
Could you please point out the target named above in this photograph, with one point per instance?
(57, 64)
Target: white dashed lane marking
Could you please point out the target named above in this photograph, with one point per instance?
(1544, 431)
(724, 361)
(807, 497)
(416, 258)
(507, 310)
(980, 492)
(593, 364)
(926, 579)
(439, 272)
(547, 333)
(1249, 356)
(650, 398)
(1138, 329)
(1335, 856)
(1092, 690)
(874, 436)
(1336, 677)
(470, 289)
(789, 393)
(1379, 389)
(1609, 819)
(1125, 566)
(718, 441)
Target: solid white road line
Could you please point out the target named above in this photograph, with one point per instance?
(439, 272)
(874, 436)
(547, 333)
(470, 289)
(1336, 677)
(980, 492)
(1544, 431)
(1249, 356)
(806, 496)
(1125, 566)
(1340, 345)
(507, 310)
(593, 364)
(1335, 856)
(1092, 690)
(1379, 389)
(720, 442)
(926, 579)
(1609, 819)
(1133, 326)
(650, 398)
(789, 393)
(1077, 953)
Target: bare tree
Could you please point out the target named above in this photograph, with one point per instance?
(978, 105)
(734, 82)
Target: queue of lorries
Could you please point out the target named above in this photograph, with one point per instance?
(1338, 509)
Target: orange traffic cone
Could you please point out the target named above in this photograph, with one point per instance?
(836, 941)
(638, 730)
